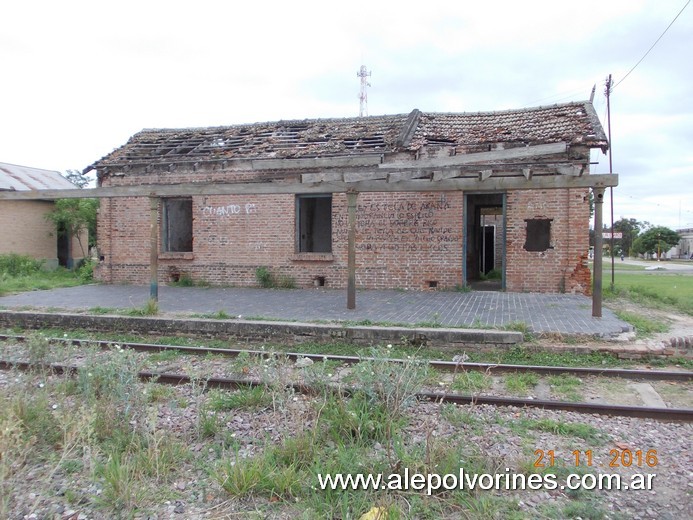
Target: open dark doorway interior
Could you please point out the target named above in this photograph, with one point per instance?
(64, 259)
(484, 241)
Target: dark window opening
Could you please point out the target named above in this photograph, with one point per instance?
(538, 234)
(177, 226)
(314, 224)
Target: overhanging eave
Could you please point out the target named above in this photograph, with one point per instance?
(501, 183)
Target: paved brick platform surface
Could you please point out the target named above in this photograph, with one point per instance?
(557, 313)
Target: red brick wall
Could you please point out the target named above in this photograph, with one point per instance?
(562, 268)
(404, 240)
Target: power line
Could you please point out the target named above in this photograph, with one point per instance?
(653, 45)
(557, 97)
(656, 204)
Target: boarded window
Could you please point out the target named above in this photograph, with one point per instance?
(176, 223)
(314, 223)
(538, 234)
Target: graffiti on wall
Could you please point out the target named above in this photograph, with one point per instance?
(230, 210)
(404, 226)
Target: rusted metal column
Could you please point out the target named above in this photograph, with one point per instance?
(598, 243)
(154, 248)
(351, 250)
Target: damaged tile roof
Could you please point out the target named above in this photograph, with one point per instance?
(574, 123)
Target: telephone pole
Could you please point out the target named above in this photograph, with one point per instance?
(611, 170)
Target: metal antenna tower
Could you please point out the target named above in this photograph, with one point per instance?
(363, 73)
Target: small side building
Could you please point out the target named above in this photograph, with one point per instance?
(684, 249)
(24, 229)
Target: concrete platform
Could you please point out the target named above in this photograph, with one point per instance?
(564, 314)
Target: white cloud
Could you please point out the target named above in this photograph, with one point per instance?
(80, 77)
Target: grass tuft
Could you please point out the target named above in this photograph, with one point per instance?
(644, 326)
(246, 398)
(520, 383)
(656, 290)
(471, 381)
(566, 386)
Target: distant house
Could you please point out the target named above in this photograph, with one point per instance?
(409, 201)
(684, 249)
(24, 229)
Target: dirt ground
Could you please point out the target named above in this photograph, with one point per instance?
(679, 324)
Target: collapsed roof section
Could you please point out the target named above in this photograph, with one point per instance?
(572, 123)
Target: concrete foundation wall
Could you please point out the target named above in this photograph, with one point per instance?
(289, 333)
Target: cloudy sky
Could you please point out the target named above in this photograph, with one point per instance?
(80, 77)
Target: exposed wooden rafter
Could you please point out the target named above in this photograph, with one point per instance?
(335, 186)
(522, 152)
(485, 174)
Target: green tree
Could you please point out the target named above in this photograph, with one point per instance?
(77, 178)
(73, 216)
(655, 240)
(630, 228)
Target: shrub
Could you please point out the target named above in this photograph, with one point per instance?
(19, 265)
(286, 282)
(85, 272)
(264, 277)
(393, 384)
(185, 280)
(268, 280)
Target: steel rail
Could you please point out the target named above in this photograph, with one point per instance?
(664, 414)
(447, 366)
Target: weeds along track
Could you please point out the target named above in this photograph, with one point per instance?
(445, 366)
(605, 391)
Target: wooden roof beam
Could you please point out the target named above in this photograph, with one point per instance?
(259, 188)
(485, 174)
(409, 175)
(480, 157)
(575, 170)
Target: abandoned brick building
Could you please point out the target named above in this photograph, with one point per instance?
(439, 199)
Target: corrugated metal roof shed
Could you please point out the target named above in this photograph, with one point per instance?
(24, 178)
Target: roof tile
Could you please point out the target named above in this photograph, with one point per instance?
(574, 123)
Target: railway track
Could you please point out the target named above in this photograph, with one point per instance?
(167, 377)
(444, 366)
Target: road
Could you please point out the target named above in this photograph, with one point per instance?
(663, 265)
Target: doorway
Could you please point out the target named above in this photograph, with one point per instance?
(64, 244)
(484, 241)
